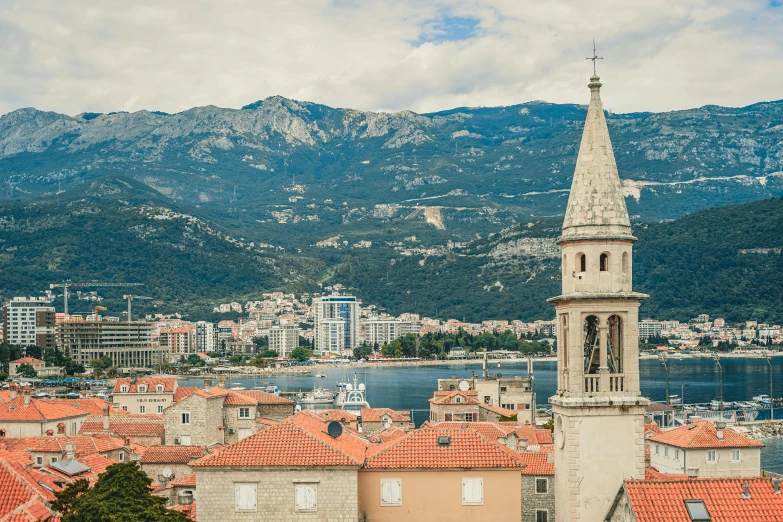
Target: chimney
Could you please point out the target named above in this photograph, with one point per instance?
(522, 444)
(693, 419)
(719, 427)
(70, 450)
(693, 472)
(49, 432)
(221, 381)
(106, 418)
(776, 485)
(207, 383)
(26, 398)
(746, 491)
(12, 390)
(61, 428)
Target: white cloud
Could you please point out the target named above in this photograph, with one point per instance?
(73, 56)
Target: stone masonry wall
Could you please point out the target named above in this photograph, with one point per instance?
(337, 497)
(205, 417)
(532, 501)
(153, 470)
(276, 411)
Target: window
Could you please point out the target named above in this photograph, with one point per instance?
(306, 497)
(542, 515)
(184, 417)
(472, 491)
(159, 388)
(160, 408)
(697, 511)
(391, 492)
(657, 449)
(626, 264)
(666, 451)
(542, 486)
(447, 417)
(121, 456)
(124, 388)
(458, 399)
(54, 459)
(142, 388)
(243, 433)
(245, 496)
(142, 409)
(244, 413)
(604, 262)
(581, 261)
(124, 408)
(39, 461)
(74, 429)
(735, 455)
(503, 389)
(712, 456)
(185, 440)
(676, 454)
(469, 417)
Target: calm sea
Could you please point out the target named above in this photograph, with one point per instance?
(409, 388)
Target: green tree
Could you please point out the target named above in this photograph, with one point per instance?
(268, 354)
(393, 349)
(102, 364)
(301, 354)
(27, 371)
(122, 492)
(362, 352)
(235, 359)
(261, 342)
(3, 376)
(194, 360)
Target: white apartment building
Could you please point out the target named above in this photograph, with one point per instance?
(129, 344)
(336, 324)
(384, 331)
(283, 338)
(649, 328)
(29, 321)
(206, 337)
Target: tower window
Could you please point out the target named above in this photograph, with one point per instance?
(604, 262)
(581, 262)
(614, 345)
(592, 348)
(626, 263)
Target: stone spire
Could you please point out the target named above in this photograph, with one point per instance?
(596, 206)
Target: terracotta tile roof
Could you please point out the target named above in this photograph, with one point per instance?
(443, 393)
(93, 405)
(235, 398)
(268, 422)
(451, 397)
(537, 464)
(651, 428)
(85, 444)
(172, 454)
(653, 501)
(188, 480)
(38, 410)
(96, 462)
(125, 425)
(300, 440)
(377, 414)
(188, 510)
(336, 415)
(28, 360)
(544, 436)
(262, 397)
(466, 450)
(389, 434)
(21, 496)
(185, 391)
(169, 384)
(497, 409)
(703, 434)
(491, 430)
(650, 473)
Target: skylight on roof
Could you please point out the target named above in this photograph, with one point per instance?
(697, 511)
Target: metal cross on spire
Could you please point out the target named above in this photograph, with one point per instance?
(594, 57)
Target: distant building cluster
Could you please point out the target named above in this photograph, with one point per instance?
(692, 334)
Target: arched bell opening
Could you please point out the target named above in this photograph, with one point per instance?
(614, 345)
(592, 347)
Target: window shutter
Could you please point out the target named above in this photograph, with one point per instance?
(472, 491)
(306, 497)
(386, 492)
(396, 487)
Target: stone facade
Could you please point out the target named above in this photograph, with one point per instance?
(532, 502)
(206, 417)
(238, 428)
(276, 411)
(154, 469)
(337, 494)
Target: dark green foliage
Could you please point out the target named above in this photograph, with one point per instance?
(122, 493)
(8, 353)
(300, 353)
(362, 352)
(194, 360)
(438, 345)
(27, 371)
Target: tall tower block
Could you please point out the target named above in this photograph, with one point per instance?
(598, 409)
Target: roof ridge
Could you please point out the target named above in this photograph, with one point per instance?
(323, 441)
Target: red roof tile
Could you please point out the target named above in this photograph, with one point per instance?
(28, 360)
(537, 464)
(300, 440)
(38, 410)
(377, 414)
(188, 480)
(497, 409)
(466, 450)
(125, 425)
(185, 391)
(85, 444)
(172, 454)
(93, 405)
(261, 397)
(491, 430)
(336, 415)
(21, 495)
(169, 384)
(703, 434)
(650, 473)
(451, 398)
(653, 501)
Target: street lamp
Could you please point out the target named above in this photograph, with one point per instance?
(720, 369)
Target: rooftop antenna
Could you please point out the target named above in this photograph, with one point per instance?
(594, 57)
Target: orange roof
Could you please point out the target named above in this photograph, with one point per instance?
(172, 454)
(336, 415)
(185, 391)
(377, 414)
(466, 449)
(260, 397)
(169, 384)
(537, 464)
(27, 360)
(21, 496)
(450, 398)
(703, 434)
(497, 409)
(125, 425)
(650, 473)
(654, 501)
(389, 434)
(491, 430)
(85, 444)
(37, 411)
(652, 428)
(93, 405)
(299, 441)
(188, 480)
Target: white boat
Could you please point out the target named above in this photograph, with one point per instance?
(320, 375)
(744, 405)
(238, 388)
(352, 397)
(675, 399)
(716, 405)
(317, 396)
(761, 398)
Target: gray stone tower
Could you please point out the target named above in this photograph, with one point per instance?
(598, 408)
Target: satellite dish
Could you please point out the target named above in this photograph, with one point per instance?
(167, 473)
(298, 408)
(387, 423)
(464, 385)
(334, 429)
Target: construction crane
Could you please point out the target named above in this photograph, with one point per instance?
(65, 284)
(131, 297)
(98, 309)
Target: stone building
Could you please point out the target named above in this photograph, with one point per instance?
(509, 393)
(704, 449)
(195, 419)
(538, 487)
(370, 421)
(144, 430)
(294, 470)
(447, 406)
(598, 407)
(164, 463)
(42, 451)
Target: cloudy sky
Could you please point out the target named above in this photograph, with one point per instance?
(74, 56)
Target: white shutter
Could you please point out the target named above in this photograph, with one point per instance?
(246, 497)
(396, 492)
(391, 492)
(185, 440)
(243, 433)
(306, 497)
(472, 491)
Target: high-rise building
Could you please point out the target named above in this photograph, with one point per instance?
(598, 408)
(283, 338)
(206, 337)
(29, 321)
(179, 339)
(649, 328)
(129, 344)
(381, 331)
(336, 324)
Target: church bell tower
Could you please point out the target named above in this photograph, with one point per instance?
(598, 408)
